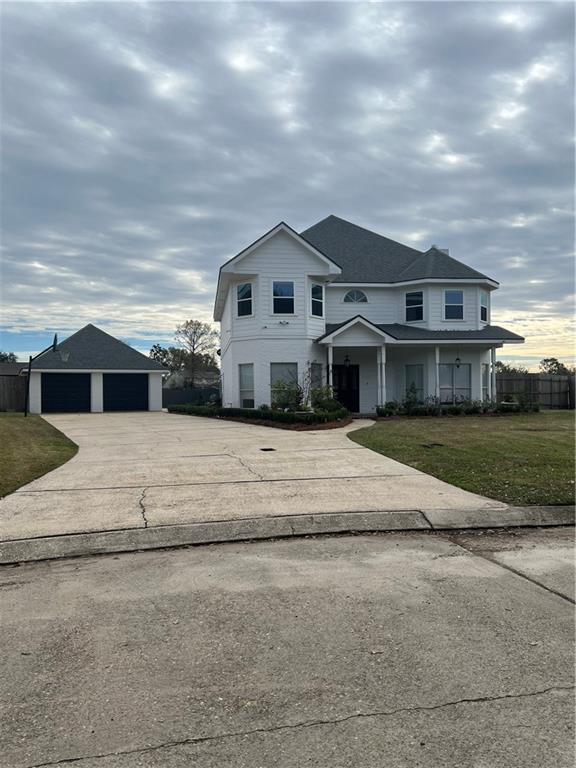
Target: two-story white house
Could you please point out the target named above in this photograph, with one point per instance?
(356, 310)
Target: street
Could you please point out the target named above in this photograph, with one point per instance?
(396, 650)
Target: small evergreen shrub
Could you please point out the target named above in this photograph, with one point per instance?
(268, 414)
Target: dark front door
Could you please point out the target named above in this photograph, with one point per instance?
(346, 381)
(125, 391)
(65, 392)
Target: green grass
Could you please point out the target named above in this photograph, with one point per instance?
(519, 459)
(29, 447)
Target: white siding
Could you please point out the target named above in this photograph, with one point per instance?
(261, 353)
(381, 307)
(35, 404)
(279, 258)
(471, 319)
(97, 392)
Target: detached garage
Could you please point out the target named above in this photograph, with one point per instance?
(92, 371)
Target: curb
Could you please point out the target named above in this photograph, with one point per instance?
(190, 534)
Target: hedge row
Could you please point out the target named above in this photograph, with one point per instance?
(284, 417)
(455, 409)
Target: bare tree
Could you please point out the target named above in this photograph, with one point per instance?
(199, 339)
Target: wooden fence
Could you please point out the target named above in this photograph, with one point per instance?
(12, 393)
(547, 391)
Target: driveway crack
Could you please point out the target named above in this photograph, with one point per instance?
(143, 507)
(248, 467)
(307, 724)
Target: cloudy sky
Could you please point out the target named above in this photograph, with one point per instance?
(145, 143)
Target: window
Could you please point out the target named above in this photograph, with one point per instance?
(317, 300)
(283, 298)
(453, 305)
(485, 375)
(244, 299)
(315, 375)
(286, 373)
(355, 297)
(483, 306)
(415, 376)
(414, 306)
(246, 378)
(455, 382)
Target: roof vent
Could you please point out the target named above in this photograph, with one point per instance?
(443, 250)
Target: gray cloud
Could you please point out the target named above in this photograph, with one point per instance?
(146, 143)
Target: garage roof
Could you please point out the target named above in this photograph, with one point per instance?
(90, 348)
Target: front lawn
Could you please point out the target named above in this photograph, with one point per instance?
(29, 447)
(518, 459)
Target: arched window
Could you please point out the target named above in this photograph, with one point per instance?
(355, 297)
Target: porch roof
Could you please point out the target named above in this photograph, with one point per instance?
(399, 332)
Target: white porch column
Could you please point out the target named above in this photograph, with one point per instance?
(383, 373)
(330, 359)
(493, 393)
(437, 373)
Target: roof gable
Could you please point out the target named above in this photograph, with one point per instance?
(90, 348)
(358, 321)
(229, 267)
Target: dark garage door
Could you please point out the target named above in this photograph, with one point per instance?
(65, 392)
(125, 391)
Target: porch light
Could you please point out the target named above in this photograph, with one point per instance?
(347, 361)
(457, 362)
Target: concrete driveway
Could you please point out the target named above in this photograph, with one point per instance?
(141, 470)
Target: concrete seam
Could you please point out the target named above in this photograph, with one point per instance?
(308, 724)
(484, 556)
(425, 516)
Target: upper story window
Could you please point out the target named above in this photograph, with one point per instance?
(283, 298)
(484, 306)
(317, 300)
(244, 299)
(454, 305)
(414, 306)
(355, 297)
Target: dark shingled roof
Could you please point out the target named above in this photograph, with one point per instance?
(411, 333)
(366, 257)
(90, 348)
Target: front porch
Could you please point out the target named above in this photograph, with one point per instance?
(364, 377)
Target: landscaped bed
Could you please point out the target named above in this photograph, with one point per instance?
(29, 447)
(299, 420)
(520, 458)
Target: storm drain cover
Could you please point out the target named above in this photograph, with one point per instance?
(267, 449)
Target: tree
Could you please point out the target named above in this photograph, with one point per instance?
(554, 367)
(501, 367)
(8, 357)
(199, 341)
(173, 358)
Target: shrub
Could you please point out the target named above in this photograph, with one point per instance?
(283, 417)
(322, 398)
(287, 396)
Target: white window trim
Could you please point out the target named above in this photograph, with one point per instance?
(463, 305)
(321, 285)
(253, 390)
(487, 321)
(236, 286)
(282, 280)
(342, 301)
(423, 319)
